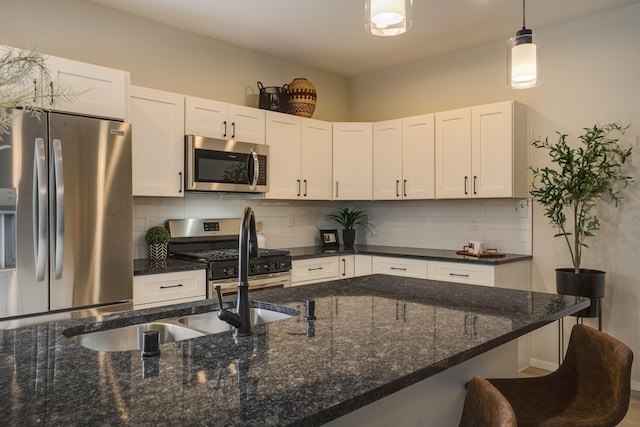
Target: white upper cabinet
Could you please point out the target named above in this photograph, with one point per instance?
(215, 119)
(157, 119)
(299, 157)
(403, 158)
(387, 160)
(352, 161)
(499, 135)
(453, 153)
(316, 159)
(482, 151)
(101, 91)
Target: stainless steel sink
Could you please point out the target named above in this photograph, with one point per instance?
(130, 337)
(127, 338)
(209, 322)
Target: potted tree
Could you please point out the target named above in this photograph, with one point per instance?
(569, 192)
(157, 239)
(348, 219)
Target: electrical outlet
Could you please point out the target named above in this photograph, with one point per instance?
(292, 220)
(474, 224)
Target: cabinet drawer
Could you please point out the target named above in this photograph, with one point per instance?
(305, 271)
(400, 267)
(462, 273)
(169, 287)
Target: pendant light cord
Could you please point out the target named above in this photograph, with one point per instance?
(523, 15)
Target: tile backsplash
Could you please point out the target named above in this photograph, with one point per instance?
(438, 224)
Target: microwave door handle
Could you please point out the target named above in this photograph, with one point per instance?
(59, 189)
(39, 210)
(253, 156)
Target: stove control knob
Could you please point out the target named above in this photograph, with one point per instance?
(230, 271)
(253, 268)
(283, 265)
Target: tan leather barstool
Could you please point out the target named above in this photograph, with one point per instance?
(485, 406)
(592, 386)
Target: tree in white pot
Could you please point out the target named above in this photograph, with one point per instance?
(581, 176)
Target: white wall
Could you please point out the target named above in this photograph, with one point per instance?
(159, 56)
(590, 74)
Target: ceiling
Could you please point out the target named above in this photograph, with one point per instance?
(330, 34)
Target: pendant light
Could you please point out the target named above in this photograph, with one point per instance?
(523, 61)
(387, 17)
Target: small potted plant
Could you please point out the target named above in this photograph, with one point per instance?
(348, 219)
(157, 239)
(568, 192)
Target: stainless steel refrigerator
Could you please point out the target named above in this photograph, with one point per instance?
(65, 214)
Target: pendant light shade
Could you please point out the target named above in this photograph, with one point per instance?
(387, 17)
(523, 70)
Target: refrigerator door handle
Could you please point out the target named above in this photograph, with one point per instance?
(58, 174)
(40, 209)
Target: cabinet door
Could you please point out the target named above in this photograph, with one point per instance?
(157, 142)
(352, 161)
(453, 154)
(400, 267)
(458, 272)
(283, 139)
(313, 270)
(168, 288)
(362, 265)
(418, 157)
(101, 91)
(205, 117)
(316, 160)
(492, 150)
(387, 160)
(246, 124)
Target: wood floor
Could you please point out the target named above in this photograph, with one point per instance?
(632, 419)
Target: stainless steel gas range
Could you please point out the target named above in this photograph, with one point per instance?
(215, 243)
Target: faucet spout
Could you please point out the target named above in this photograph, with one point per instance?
(248, 248)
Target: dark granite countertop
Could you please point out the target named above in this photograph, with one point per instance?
(400, 252)
(372, 336)
(144, 266)
(171, 265)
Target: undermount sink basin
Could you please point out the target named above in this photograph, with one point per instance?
(209, 322)
(130, 337)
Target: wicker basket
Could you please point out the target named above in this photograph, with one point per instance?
(302, 97)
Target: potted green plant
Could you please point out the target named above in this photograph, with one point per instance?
(569, 191)
(157, 239)
(348, 219)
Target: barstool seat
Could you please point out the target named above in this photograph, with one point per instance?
(485, 406)
(592, 386)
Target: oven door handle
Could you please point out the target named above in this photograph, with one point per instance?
(267, 284)
(253, 169)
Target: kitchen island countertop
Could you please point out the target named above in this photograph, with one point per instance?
(372, 336)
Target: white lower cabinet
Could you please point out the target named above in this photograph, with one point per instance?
(514, 275)
(154, 290)
(399, 266)
(362, 265)
(314, 270)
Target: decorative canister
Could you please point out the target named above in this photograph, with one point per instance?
(302, 97)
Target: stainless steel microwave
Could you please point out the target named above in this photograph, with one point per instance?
(225, 165)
